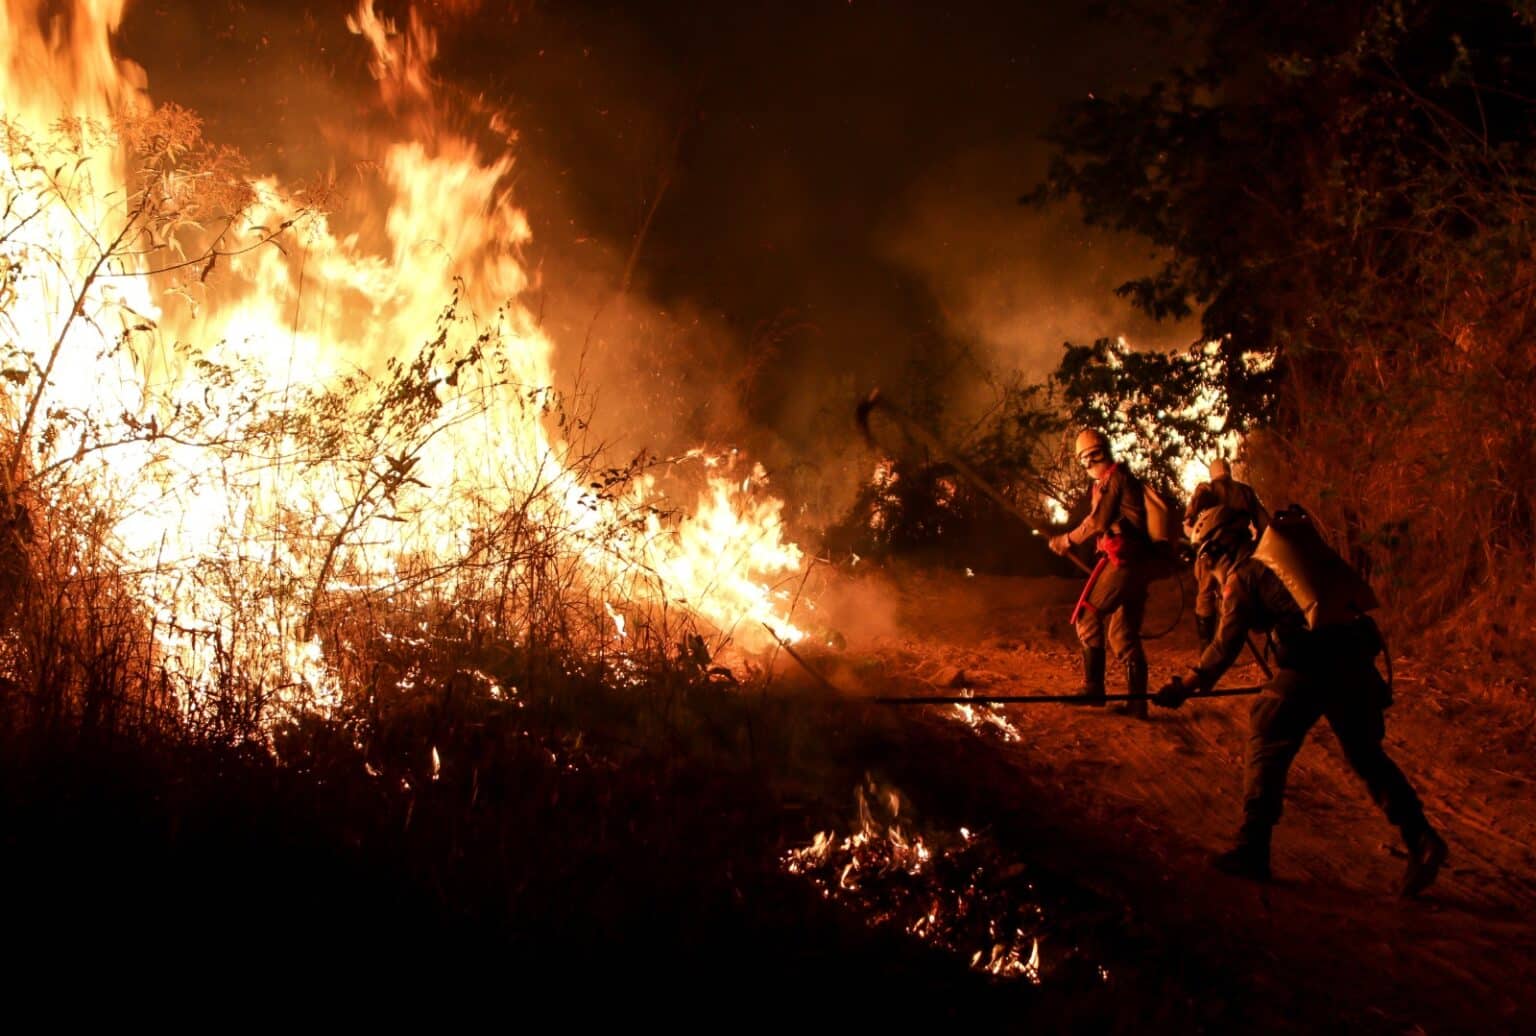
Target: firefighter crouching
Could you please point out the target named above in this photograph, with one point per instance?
(1116, 597)
(1293, 586)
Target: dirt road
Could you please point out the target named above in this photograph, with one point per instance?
(1151, 800)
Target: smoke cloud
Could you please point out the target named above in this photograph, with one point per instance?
(743, 217)
(1016, 281)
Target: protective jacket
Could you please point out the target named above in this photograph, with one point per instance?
(1227, 492)
(1117, 515)
(1326, 672)
(1253, 597)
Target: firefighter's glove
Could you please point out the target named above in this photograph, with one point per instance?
(1060, 544)
(1173, 693)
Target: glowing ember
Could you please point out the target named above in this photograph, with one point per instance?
(266, 422)
(960, 895)
(985, 717)
(883, 480)
(1005, 960)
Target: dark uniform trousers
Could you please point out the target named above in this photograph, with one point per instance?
(1207, 590)
(1116, 605)
(1352, 697)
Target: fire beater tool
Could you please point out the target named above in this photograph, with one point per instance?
(989, 699)
(1048, 699)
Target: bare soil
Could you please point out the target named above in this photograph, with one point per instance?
(1134, 809)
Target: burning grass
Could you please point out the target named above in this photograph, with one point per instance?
(474, 816)
(957, 892)
(316, 582)
(280, 435)
(305, 556)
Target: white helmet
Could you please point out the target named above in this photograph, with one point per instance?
(1091, 446)
(1217, 530)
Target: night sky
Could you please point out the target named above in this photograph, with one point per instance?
(841, 188)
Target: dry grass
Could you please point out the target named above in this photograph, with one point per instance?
(1421, 463)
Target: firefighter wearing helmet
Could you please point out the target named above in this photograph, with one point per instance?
(1115, 599)
(1313, 605)
(1221, 491)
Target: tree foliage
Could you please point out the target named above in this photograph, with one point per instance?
(1314, 145)
(1345, 193)
(1160, 410)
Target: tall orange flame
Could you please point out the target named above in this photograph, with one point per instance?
(278, 414)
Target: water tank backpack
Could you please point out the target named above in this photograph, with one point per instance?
(1160, 526)
(1326, 587)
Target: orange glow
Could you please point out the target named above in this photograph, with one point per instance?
(276, 419)
(955, 896)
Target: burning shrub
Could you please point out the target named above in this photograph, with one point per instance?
(269, 441)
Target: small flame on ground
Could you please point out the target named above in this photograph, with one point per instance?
(1005, 960)
(953, 897)
(985, 717)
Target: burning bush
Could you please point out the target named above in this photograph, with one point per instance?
(233, 429)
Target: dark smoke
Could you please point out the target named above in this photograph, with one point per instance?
(744, 216)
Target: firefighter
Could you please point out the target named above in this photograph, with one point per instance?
(1221, 491)
(1116, 596)
(1324, 669)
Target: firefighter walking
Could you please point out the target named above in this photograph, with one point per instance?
(1313, 605)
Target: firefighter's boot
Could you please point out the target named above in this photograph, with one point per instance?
(1248, 858)
(1426, 854)
(1135, 683)
(1094, 660)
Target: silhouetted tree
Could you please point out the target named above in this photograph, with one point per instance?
(1345, 193)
